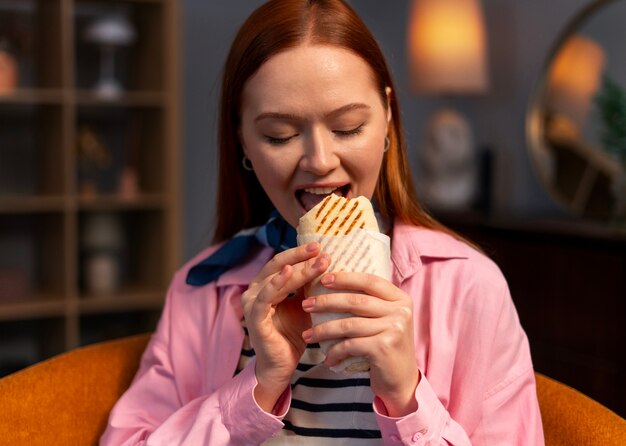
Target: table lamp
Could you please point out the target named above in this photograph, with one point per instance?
(109, 31)
(447, 56)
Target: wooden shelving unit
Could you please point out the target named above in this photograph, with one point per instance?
(47, 195)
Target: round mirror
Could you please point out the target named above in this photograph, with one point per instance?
(576, 122)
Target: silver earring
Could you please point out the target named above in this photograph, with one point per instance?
(387, 144)
(247, 164)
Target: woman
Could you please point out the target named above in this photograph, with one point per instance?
(308, 108)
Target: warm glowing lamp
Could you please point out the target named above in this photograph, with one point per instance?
(447, 50)
(574, 78)
(448, 56)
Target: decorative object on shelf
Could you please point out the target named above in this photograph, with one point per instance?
(93, 156)
(8, 68)
(447, 56)
(128, 184)
(129, 181)
(102, 243)
(109, 31)
(450, 177)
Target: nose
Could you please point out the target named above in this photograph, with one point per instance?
(320, 155)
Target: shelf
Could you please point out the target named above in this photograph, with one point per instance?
(26, 96)
(33, 204)
(129, 2)
(34, 96)
(118, 203)
(35, 307)
(82, 98)
(127, 99)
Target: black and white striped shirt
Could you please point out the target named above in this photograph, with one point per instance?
(326, 407)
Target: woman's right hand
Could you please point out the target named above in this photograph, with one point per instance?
(275, 321)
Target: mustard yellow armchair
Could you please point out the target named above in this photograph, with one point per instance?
(66, 400)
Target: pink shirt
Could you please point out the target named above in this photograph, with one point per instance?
(477, 383)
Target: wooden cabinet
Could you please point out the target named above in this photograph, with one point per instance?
(568, 282)
(74, 156)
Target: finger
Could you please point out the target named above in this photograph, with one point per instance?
(357, 304)
(377, 349)
(274, 282)
(300, 274)
(288, 257)
(355, 347)
(348, 327)
(275, 287)
(364, 282)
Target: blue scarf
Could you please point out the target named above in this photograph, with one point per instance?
(276, 233)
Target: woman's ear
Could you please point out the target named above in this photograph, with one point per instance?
(388, 94)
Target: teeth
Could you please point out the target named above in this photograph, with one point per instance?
(321, 190)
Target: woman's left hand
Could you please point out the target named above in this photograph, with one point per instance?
(381, 330)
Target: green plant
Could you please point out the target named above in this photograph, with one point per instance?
(611, 102)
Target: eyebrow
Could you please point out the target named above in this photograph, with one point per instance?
(291, 117)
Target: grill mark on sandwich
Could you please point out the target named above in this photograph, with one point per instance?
(360, 253)
(326, 216)
(356, 219)
(324, 203)
(328, 248)
(368, 266)
(335, 220)
(358, 240)
(345, 203)
(331, 250)
(330, 225)
(347, 217)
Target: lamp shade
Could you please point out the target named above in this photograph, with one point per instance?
(111, 30)
(447, 47)
(574, 78)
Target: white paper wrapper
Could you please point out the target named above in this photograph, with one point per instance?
(359, 251)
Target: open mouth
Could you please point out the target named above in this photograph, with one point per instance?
(309, 197)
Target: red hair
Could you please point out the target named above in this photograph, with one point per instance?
(277, 26)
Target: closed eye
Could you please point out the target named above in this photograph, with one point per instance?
(279, 141)
(351, 132)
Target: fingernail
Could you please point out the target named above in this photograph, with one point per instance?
(318, 262)
(312, 246)
(308, 303)
(307, 335)
(328, 279)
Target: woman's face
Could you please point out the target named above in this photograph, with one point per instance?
(313, 123)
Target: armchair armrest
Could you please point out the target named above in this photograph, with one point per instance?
(67, 399)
